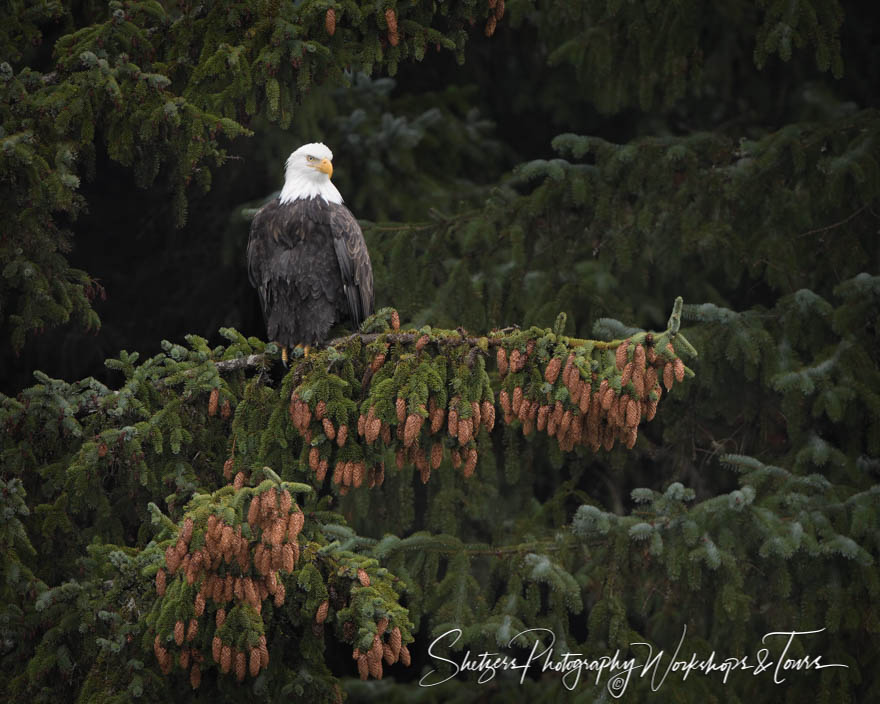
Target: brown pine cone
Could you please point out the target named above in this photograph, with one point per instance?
(668, 375)
(330, 21)
(412, 429)
(436, 455)
(501, 361)
(620, 355)
(240, 665)
(551, 372)
(487, 413)
(213, 401)
(678, 369)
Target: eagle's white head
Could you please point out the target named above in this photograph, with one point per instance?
(307, 174)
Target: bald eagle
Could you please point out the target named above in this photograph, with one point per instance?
(307, 257)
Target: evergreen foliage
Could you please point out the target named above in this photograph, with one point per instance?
(488, 455)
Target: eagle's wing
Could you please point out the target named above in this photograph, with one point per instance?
(354, 263)
(258, 255)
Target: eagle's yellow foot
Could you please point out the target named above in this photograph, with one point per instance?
(303, 350)
(284, 355)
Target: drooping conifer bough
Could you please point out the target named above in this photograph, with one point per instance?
(307, 257)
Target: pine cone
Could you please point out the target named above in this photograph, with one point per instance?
(543, 415)
(264, 653)
(452, 422)
(195, 676)
(630, 437)
(436, 455)
(584, 400)
(465, 430)
(499, 10)
(626, 376)
(517, 400)
(226, 410)
(178, 632)
(638, 382)
(471, 463)
(186, 530)
(501, 361)
(565, 423)
(330, 21)
(359, 471)
(323, 609)
(225, 659)
(395, 642)
(288, 557)
(295, 522)
(329, 430)
(374, 667)
(551, 373)
(668, 376)
(373, 428)
(639, 357)
(633, 413)
(341, 435)
(160, 582)
(412, 429)
(487, 413)
(240, 665)
(395, 320)
(516, 360)
(363, 577)
(253, 515)
(255, 662)
(220, 617)
(322, 470)
(199, 607)
(216, 648)
(437, 418)
(213, 402)
(421, 342)
(377, 362)
(620, 355)
(391, 20)
(363, 667)
(238, 482)
(678, 369)
(279, 596)
(404, 656)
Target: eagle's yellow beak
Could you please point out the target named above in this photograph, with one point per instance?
(326, 167)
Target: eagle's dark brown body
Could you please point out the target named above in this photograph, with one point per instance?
(309, 263)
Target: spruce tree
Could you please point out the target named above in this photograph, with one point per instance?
(626, 388)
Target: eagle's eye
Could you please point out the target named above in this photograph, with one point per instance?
(312, 158)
